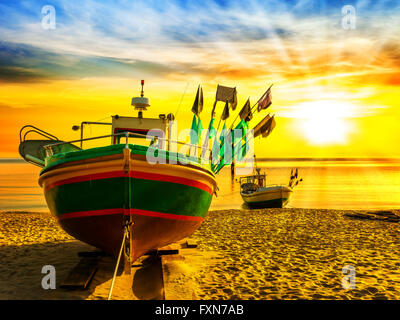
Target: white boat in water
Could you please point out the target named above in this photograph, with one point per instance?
(256, 193)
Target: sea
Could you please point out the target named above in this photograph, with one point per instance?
(327, 184)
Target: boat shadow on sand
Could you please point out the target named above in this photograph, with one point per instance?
(21, 274)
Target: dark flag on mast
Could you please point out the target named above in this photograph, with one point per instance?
(225, 94)
(265, 101)
(265, 126)
(225, 113)
(245, 113)
(198, 102)
(197, 126)
(266, 131)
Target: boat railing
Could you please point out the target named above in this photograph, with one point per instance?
(270, 186)
(252, 178)
(127, 135)
(273, 185)
(37, 131)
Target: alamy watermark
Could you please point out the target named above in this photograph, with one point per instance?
(349, 17)
(48, 17)
(349, 279)
(49, 280)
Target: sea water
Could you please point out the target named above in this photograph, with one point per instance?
(334, 184)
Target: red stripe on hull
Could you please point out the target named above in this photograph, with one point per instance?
(82, 214)
(96, 176)
(163, 215)
(133, 174)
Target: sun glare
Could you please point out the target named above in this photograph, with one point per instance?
(321, 130)
(325, 122)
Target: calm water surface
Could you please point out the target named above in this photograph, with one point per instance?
(343, 184)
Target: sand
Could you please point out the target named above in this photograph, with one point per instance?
(241, 254)
(298, 254)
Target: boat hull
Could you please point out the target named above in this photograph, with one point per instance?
(270, 197)
(93, 198)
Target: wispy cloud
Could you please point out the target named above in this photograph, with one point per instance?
(211, 39)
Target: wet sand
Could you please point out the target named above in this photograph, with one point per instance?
(241, 254)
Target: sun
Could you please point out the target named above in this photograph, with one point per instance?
(320, 130)
(325, 122)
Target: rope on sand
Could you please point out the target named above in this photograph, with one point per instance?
(116, 267)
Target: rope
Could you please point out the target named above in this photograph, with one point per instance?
(116, 267)
(177, 110)
(103, 119)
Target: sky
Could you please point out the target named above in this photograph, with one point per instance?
(335, 71)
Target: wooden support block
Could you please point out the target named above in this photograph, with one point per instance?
(167, 252)
(79, 277)
(162, 252)
(191, 244)
(93, 254)
(151, 253)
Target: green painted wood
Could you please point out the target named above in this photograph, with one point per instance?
(159, 196)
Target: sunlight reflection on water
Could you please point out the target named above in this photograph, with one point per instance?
(350, 184)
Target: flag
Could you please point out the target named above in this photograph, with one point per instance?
(241, 149)
(193, 133)
(227, 94)
(225, 113)
(211, 130)
(234, 102)
(244, 150)
(218, 149)
(265, 125)
(196, 130)
(245, 113)
(215, 153)
(198, 102)
(237, 146)
(222, 141)
(269, 126)
(241, 126)
(199, 128)
(265, 101)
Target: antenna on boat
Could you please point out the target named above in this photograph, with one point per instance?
(141, 103)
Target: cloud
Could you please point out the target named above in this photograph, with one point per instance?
(25, 63)
(183, 39)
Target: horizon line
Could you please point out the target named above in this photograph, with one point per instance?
(277, 159)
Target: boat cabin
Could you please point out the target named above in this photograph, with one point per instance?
(253, 183)
(142, 128)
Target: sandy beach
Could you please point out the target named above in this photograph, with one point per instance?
(241, 254)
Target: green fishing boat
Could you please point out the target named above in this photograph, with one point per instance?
(139, 196)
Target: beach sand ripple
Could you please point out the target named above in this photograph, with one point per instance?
(298, 254)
